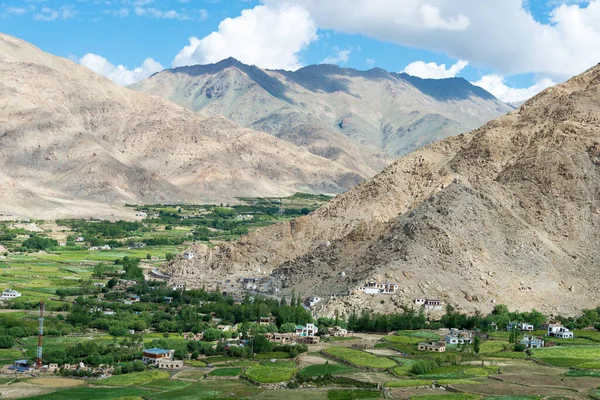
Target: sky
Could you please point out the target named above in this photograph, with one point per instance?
(512, 48)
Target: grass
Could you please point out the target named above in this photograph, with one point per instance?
(166, 384)
(267, 372)
(513, 398)
(457, 382)
(447, 396)
(352, 394)
(93, 394)
(590, 365)
(323, 369)
(579, 373)
(195, 363)
(361, 358)
(408, 383)
(272, 354)
(405, 366)
(226, 372)
(420, 335)
(492, 346)
(133, 379)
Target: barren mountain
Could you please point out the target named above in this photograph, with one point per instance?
(74, 143)
(508, 213)
(359, 119)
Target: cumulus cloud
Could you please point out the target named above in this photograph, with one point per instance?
(120, 74)
(496, 85)
(267, 36)
(433, 70)
(341, 57)
(500, 34)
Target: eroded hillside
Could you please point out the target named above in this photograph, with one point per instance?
(508, 213)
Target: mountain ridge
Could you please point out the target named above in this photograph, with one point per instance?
(361, 120)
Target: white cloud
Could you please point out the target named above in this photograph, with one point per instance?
(433, 70)
(53, 14)
(496, 85)
(267, 36)
(6, 10)
(370, 61)
(120, 74)
(499, 34)
(341, 57)
(156, 13)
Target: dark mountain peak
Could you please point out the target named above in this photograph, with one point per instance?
(445, 89)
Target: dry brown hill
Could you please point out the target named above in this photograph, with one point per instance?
(359, 119)
(508, 213)
(74, 143)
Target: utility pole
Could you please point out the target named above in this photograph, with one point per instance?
(38, 360)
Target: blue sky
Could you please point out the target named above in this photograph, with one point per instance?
(506, 45)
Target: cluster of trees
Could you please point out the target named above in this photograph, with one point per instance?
(103, 229)
(369, 322)
(94, 353)
(35, 242)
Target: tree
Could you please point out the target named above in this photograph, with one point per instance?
(212, 334)
(169, 256)
(6, 342)
(476, 344)
(99, 270)
(288, 327)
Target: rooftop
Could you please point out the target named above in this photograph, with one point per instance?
(156, 351)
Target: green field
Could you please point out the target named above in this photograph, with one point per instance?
(567, 356)
(225, 372)
(360, 358)
(408, 383)
(134, 379)
(269, 372)
(352, 394)
(325, 369)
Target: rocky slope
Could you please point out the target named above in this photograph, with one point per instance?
(508, 213)
(74, 143)
(359, 119)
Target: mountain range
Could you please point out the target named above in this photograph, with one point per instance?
(361, 120)
(73, 143)
(508, 213)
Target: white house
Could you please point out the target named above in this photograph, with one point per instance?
(80, 239)
(522, 326)
(459, 337)
(308, 330)
(559, 331)
(374, 287)
(430, 304)
(312, 301)
(188, 255)
(141, 214)
(178, 286)
(10, 294)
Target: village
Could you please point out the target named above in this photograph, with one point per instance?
(110, 318)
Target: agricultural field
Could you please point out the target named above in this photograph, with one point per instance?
(360, 358)
(272, 372)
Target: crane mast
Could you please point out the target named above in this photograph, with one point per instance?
(38, 360)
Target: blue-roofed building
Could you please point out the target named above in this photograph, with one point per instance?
(20, 366)
(156, 355)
